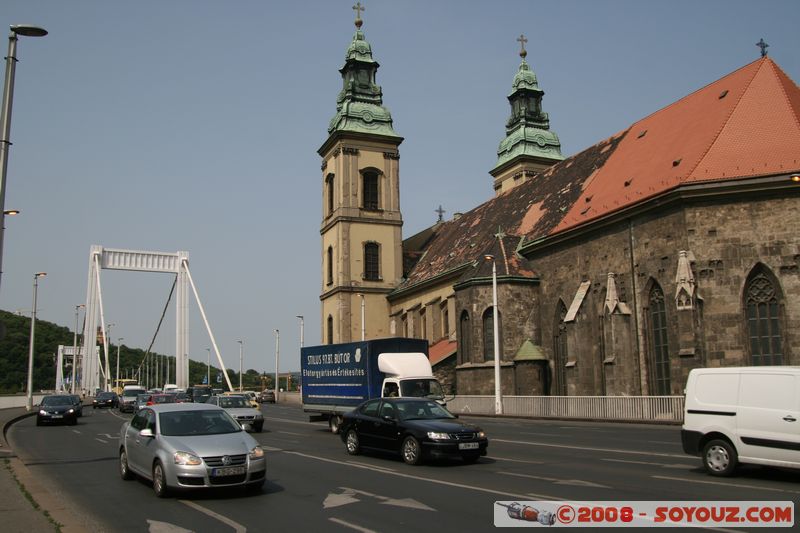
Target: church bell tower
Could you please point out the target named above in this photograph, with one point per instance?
(361, 221)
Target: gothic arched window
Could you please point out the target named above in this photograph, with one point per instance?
(762, 308)
(330, 329)
(330, 265)
(659, 347)
(370, 179)
(464, 337)
(329, 181)
(560, 345)
(372, 261)
(488, 334)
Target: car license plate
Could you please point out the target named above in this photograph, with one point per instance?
(56, 416)
(228, 471)
(468, 445)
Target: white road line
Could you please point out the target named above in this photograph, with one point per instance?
(648, 463)
(351, 526)
(294, 421)
(517, 460)
(357, 463)
(76, 431)
(726, 484)
(101, 440)
(290, 433)
(608, 450)
(239, 528)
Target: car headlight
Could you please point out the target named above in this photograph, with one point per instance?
(71, 411)
(438, 436)
(481, 434)
(257, 453)
(42, 412)
(186, 458)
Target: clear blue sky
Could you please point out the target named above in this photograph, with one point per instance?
(193, 125)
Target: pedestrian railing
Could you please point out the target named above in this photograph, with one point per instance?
(665, 409)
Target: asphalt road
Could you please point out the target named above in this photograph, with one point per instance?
(313, 485)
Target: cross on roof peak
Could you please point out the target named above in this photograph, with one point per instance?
(358, 8)
(441, 212)
(761, 44)
(522, 40)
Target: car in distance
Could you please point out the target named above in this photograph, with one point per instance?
(416, 428)
(78, 403)
(239, 408)
(199, 393)
(105, 399)
(127, 402)
(142, 400)
(189, 446)
(163, 398)
(57, 408)
(266, 396)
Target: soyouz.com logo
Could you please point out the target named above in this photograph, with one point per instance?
(643, 514)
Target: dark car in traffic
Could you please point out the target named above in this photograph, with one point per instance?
(78, 403)
(142, 400)
(57, 408)
(105, 399)
(157, 399)
(416, 428)
(266, 396)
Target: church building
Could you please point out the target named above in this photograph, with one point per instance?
(670, 245)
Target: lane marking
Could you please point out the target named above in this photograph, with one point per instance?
(76, 431)
(726, 484)
(574, 482)
(358, 463)
(294, 421)
(587, 448)
(101, 440)
(517, 460)
(352, 526)
(290, 433)
(647, 463)
(239, 528)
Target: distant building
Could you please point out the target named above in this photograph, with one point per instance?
(671, 245)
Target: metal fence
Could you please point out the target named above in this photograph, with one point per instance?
(663, 409)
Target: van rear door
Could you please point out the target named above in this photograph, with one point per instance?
(768, 418)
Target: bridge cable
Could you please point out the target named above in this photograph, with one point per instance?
(161, 320)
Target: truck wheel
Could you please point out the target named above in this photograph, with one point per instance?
(352, 443)
(411, 450)
(335, 423)
(719, 457)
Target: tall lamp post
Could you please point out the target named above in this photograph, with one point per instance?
(277, 363)
(302, 330)
(498, 400)
(208, 368)
(241, 344)
(36, 277)
(8, 97)
(119, 345)
(75, 348)
(363, 318)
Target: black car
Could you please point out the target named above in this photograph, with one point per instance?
(57, 408)
(78, 403)
(415, 428)
(105, 399)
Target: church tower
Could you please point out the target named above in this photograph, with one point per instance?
(529, 146)
(361, 221)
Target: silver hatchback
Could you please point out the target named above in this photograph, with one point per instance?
(188, 446)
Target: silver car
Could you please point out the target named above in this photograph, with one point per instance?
(238, 406)
(188, 446)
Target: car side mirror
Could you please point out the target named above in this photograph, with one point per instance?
(147, 432)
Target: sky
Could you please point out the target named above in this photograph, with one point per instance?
(194, 125)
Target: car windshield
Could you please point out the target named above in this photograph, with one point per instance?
(105, 395)
(231, 402)
(185, 423)
(143, 398)
(422, 411)
(57, 400)
(421, 388)
(164, 398)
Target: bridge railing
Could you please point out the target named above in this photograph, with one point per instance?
(663, 409)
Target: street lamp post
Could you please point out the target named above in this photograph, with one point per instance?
(302, 330)
(36, 277)
(75, 349)
(277, 363)
(241, 344)
(119, 345)
(208, 368)
(363, 318)
(498, 400)
(5, 117)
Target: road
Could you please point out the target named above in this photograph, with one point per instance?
(313, 484)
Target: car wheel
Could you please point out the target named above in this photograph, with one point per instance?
(411, 450)
(74, 421)
(335, 423)
(470, 459)
(257, 486)
(159, 480)
(719, 457)
(124, 472)
(258, 428)
(38, 421)
(352, 442)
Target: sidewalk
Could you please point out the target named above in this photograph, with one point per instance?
(17, 512)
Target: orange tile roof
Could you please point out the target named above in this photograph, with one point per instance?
(441, 351)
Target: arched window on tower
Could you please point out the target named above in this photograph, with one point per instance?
(464, 336)
(329, 185)
(488, 333)
(370, 190)
(372, 261)
(329, 328)
(762, 301)
(560, 349)
(330, 266)
(659, 346)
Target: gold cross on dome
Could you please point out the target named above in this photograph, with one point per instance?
(522, 40)
(358, 8)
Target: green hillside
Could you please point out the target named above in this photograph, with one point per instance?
(14, 358)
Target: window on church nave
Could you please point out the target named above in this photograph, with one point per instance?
(464, 338)
(370, 190)
(560, 345)
(488, 333)
(659, 346)
(330, 191)
(330, 265)
(372, 261)
(762, 308)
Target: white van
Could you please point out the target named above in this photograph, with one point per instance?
(743, 415)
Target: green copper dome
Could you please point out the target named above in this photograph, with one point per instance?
(528, 128)
(359, 106)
